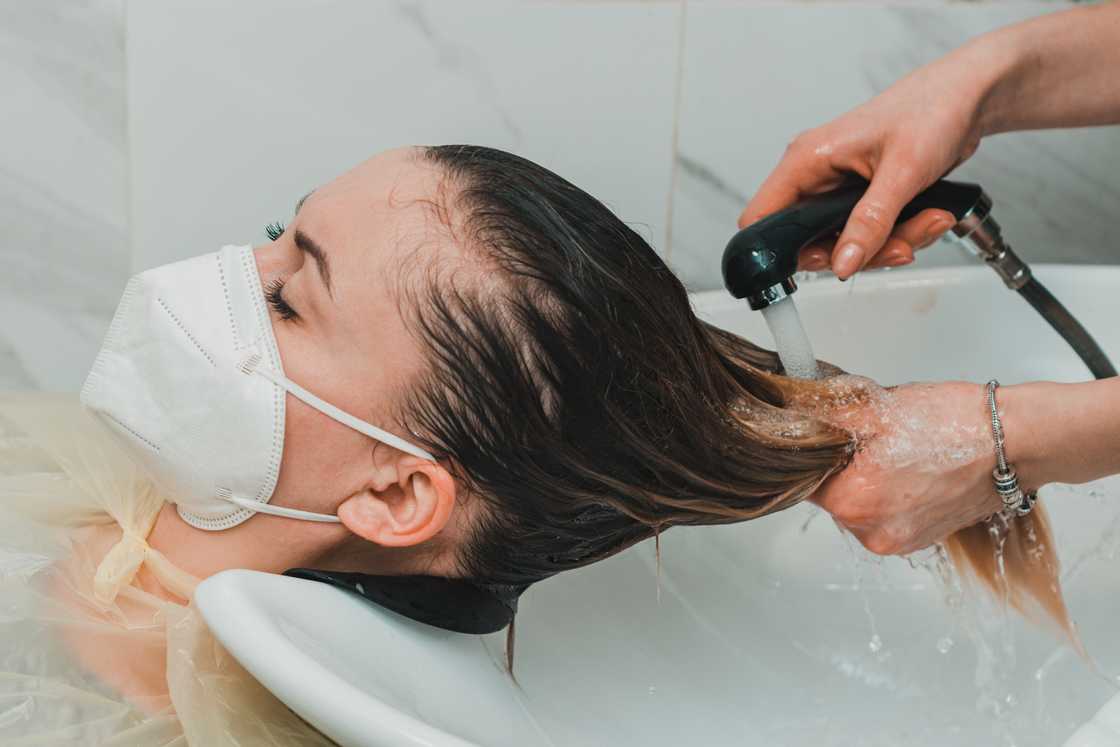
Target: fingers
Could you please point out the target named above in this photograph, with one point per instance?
(924, 228)
(777, 192)
(872, 220)
(917, 233)
(870, 238)
(881, 538)
(895, 253)
(814, 257)
(802, 171)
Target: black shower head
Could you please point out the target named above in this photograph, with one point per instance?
(760, 260)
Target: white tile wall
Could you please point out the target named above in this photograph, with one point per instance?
(64, 251)
(756, 75)
(237, 109)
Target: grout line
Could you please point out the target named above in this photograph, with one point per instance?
(130, 227)
(674, 168)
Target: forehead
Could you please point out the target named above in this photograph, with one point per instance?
(373, 217)
(396, 185)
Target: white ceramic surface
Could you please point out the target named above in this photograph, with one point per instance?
(781, 631)
(1103, 730)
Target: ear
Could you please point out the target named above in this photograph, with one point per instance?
(409, 500)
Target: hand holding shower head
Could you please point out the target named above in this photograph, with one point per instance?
(760, 260)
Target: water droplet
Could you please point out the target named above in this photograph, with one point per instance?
(945, 644)
(875, 644)
(652, 689)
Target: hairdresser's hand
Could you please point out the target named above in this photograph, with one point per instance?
(1057, 70)
(923, 467)
(902, 141)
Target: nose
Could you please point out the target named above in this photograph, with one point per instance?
(273, 260)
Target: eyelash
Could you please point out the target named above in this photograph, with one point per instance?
(272, 292)
(274, 230)
(277, 302)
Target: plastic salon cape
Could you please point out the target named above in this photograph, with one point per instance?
(88, 655)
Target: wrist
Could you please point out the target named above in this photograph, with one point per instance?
(990, 66)
(1028, 431)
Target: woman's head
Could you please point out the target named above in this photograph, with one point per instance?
(500, 317)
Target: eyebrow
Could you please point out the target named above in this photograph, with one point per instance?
(308, 246)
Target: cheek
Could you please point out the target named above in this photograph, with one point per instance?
(314, 470)
(306, 464)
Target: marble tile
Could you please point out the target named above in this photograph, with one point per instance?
(756, 75)
(62, 187)
(288, 94)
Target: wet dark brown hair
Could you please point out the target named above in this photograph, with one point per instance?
(587, 408)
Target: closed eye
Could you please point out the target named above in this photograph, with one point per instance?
(275, 298)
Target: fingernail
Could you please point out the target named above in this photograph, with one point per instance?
(899, 261)
(847, 259)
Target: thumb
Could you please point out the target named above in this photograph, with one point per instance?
(873, 218)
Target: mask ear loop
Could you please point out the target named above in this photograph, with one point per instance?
(252, 365)
(267, 508)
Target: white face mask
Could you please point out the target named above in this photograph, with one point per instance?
(190, 378)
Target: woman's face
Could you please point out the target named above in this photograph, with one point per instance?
(346, 342)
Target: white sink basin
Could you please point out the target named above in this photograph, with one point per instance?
(762, 635)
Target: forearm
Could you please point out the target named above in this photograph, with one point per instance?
(1058, 70)
(1062, 432)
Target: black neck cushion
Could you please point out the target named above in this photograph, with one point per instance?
(459, 605)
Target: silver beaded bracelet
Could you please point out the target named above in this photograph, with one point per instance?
(1015, 501)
